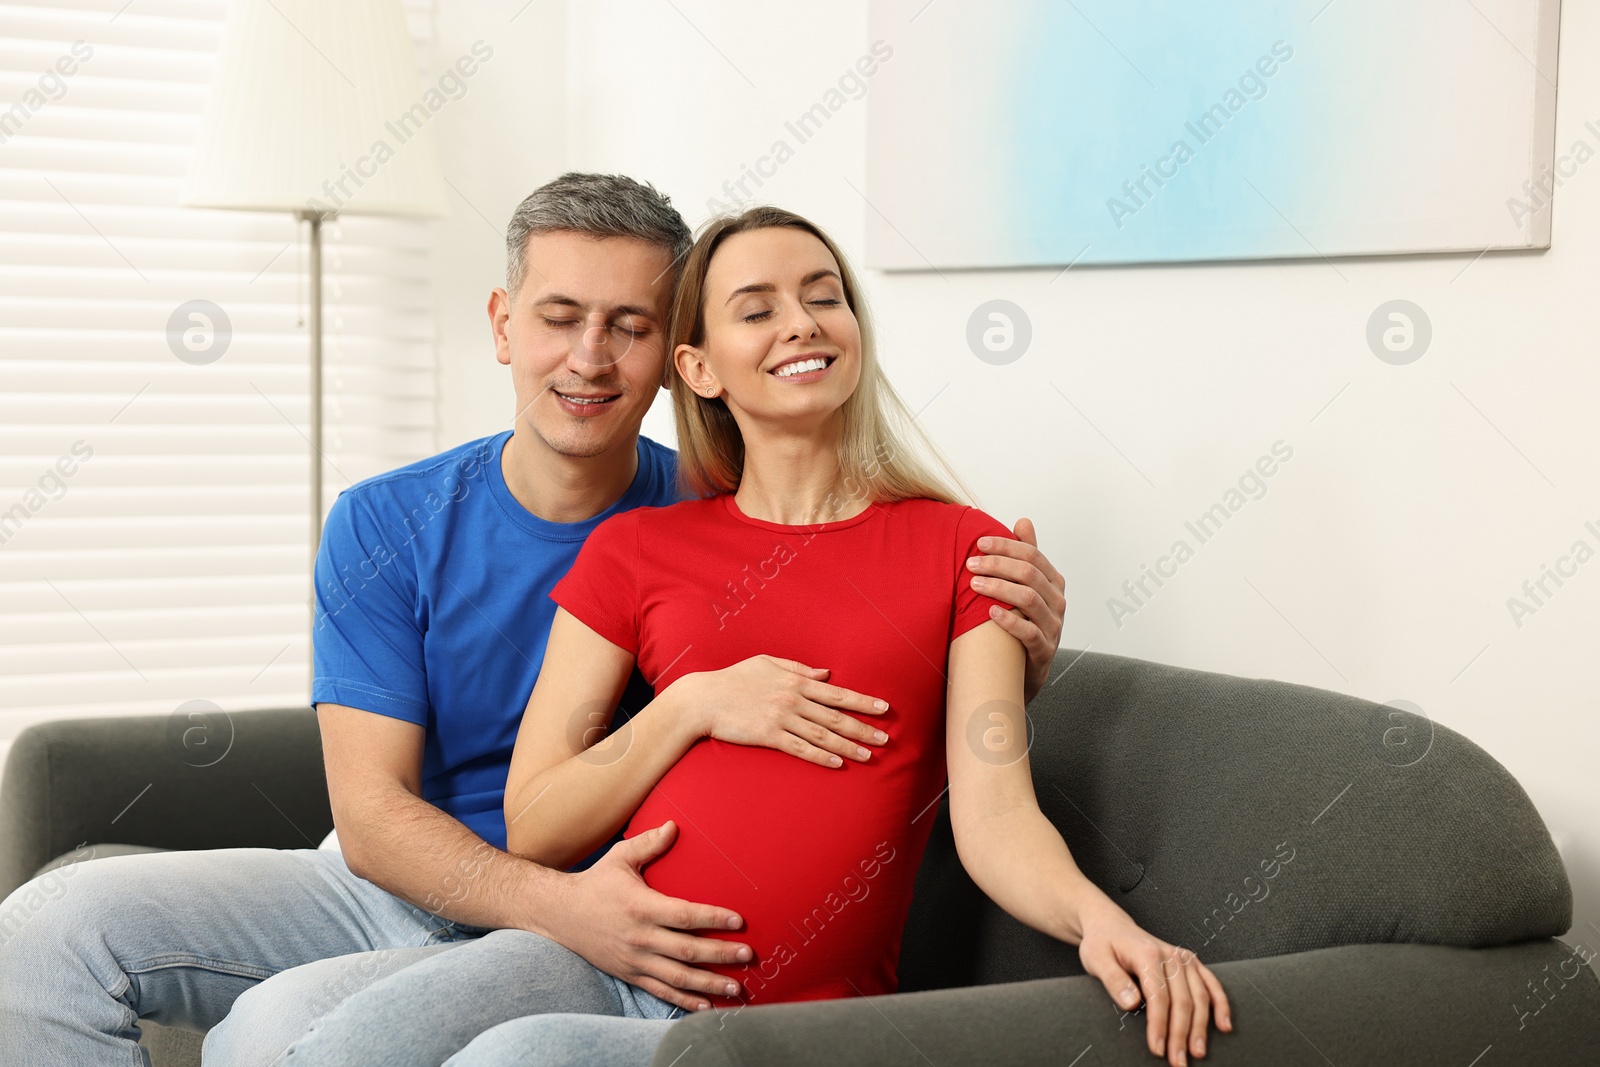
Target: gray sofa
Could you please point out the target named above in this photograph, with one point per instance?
(1369, 887)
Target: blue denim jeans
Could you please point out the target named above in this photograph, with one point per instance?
(88, 950)
(510, 997)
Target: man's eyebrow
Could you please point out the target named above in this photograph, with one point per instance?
(567, 301)
(768, 287)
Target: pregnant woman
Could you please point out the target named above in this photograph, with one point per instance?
(819, 527)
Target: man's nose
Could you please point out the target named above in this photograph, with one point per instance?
(594, 350)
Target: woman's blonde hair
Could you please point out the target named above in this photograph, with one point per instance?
(873, 455)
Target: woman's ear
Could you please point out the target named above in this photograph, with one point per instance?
(694, 371)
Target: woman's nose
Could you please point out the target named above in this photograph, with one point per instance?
(801, 326)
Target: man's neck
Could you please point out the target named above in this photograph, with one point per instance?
(560, 488)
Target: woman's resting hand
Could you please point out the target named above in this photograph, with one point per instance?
(768, 702)
(1180, 992)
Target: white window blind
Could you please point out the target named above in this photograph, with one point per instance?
(153, 528)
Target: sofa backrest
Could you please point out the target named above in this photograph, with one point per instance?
(250, 778)
(1245, 818)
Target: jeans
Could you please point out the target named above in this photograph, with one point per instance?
(87, 951)
(511, 997)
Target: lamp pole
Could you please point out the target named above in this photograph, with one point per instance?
(278, 124)
(315, 218)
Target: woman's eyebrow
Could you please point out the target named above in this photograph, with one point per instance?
(760, 287)
(768, 287)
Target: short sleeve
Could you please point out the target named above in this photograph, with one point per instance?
(602, 588)
(972, 607)
(367, 641)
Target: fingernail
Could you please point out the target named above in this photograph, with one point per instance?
(834, 761)
(734, 922)
(862, 753)
(702, 1006)
(731, 989)
(1128, 997)
(881, 705)
(1183, 1060)
(743, 954)
(972, 563)
(879, 736)
(1161, 1046)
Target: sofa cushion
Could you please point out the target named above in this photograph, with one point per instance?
(1417, 1005)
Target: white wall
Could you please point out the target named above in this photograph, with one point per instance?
(1381, 558)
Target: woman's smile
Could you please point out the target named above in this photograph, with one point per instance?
(803, 368)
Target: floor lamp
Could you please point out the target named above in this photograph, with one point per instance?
(316, 108)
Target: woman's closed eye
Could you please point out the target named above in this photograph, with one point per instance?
(823, 302)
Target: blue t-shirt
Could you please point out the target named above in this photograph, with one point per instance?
(433, 606)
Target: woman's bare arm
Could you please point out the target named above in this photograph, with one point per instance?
(566, 795)
(1019, 859)
(1006, 844)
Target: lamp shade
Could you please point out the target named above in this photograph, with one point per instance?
(316, 105)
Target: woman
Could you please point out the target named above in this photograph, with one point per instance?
(817, 529)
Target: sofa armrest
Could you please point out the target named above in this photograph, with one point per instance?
(1534, 1002)
(212, 780)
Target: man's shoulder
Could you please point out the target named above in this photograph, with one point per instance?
(661, 452)
(464, 462)
(663, 465)
(412, 495)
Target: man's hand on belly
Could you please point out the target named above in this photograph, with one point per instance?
(610, 917)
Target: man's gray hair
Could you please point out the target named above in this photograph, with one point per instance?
(599, 205)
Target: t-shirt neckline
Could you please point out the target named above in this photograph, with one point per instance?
(810, 528)
(636, 493)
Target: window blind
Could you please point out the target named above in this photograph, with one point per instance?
(153, 526)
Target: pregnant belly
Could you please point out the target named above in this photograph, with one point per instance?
(819, 862)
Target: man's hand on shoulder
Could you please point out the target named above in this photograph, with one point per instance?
(1017, 573)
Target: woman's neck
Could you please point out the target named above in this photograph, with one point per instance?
(794, 479)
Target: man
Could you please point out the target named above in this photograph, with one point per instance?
(432, 615)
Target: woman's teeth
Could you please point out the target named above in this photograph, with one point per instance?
(800, 367)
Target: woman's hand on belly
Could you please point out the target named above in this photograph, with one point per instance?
(767, 702)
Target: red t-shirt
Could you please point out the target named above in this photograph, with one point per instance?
(819, 861)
